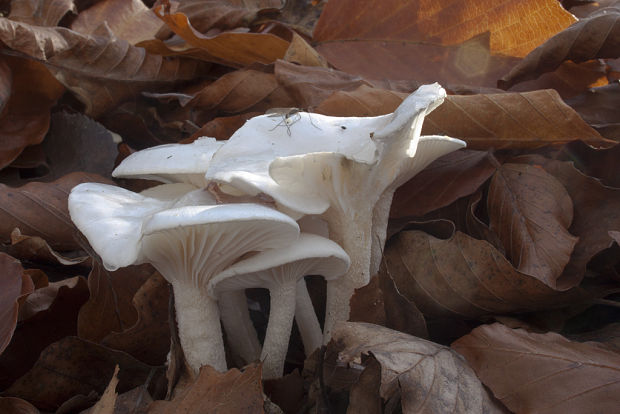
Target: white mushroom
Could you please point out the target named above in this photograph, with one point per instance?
(187, 245)
(343, 168)
(279, 270)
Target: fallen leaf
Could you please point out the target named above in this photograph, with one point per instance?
(363, 101)
(530, 211)
(598, 107)
(109, 307)
(35, 249)
(301, 53)
(120, 16)
(425, 376)
(301, 15)
(74, 366)
(595, 37)
(608, 335)
(148, 339)
(40, 209)
(367, 304)
(447, 179)
(14, 405)
(108, 400)
(531, 372)
(135, 401)
(14, 284)
(286, 392)
(510, 120)
(221, 128)
(444, 22)
(364, 396)
(100, 70)
(235, 49)
(464, 277)
(41, 12)
(55, 322)
(585, 8)
(232, 391)
(598, 163)
(46, 294)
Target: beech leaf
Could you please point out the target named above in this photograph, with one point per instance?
(41, 12)
(531, 372)
(14, 284)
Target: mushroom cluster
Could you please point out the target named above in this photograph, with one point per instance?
(229, 216)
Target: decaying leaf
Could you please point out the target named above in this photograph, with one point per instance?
(531, 211)
(41, 12)
(35, 249)
(233, 391)
(510, 120)
(14, 284)
(531, 372)
(425, 376)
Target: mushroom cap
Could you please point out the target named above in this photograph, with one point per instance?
(171, 163)
(308, 255)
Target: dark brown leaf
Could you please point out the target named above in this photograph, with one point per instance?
(12, 405)
(233, 391)
(599, 107)
(594, 37)
(532, 372)
(221, 128)
(363, 101)
(14, 284)
(35, 249)
(40, 209)
(41, 12)
(608, 335)
(598, 163)
(510, 120)
(425, 376)
(74, 366)
(447, 179)
(531, 211)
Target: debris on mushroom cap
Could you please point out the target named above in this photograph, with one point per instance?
(171, 163)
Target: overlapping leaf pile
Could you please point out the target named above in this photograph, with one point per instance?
(497, 249)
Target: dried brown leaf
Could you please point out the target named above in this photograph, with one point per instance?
(608, 335)
(595, 37)
(530, 211)
(12, 405)
(41, 12)
(221, 128)
(464, 277)
(599, 107)
(233, 391)
(301, 53)
(510, 120)
(445, 22)
(55, 322)
(598, 163)
(46, 294)
(591, 6)
(427, 377)
(120, 16)
(35, 249)
(363, 101)
(14, 284)
(531, 372)
(447, 179)
(236, 49)
(74, 366)
(40, 209)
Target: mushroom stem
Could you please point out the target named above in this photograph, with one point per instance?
(240, 332)
(307, 322)
(198, 318)
(281, 313)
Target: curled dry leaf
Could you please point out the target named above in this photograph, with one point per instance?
(301, 53)
(16, 406)
(40, 209)
(447, 179)
(100, 70)
(74, 366)
(531, 372)
(363, 101)
(221, 128)
(510, 120)
(47, 293)
(598, 163)
(50, 323)
(595, 37)
(233, 391)
(599, 108)
(445, 22)
(464, 277)
(41, 12)
(35, 249)
(14, 284)
(425, 376)
(235, 49)
(530, 211)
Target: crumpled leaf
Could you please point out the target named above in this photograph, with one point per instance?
(595, 37)
(14, 284)
(448, 178)
(445, 22)
(233, 391)
(531, 372)
(235, 49)
(40, 209)
(120, 17)
(530, 211)
(41, 12)
(100, 70)
(425, 376)
(35, 249)
(464, 277)
(54, 313)
(74, 366)
(510, 120)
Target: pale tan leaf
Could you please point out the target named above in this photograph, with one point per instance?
(41, 12)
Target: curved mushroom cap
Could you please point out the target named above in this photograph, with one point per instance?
(200, 241)
(171, 163)
(308, 255)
